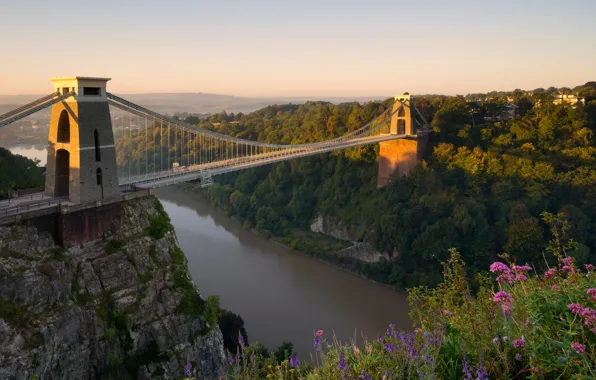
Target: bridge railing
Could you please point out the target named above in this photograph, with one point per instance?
(18, 209)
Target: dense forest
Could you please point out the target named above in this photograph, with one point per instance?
(481, 188)
(18, 172)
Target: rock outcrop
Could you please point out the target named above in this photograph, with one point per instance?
(115, 308)
(359, 250)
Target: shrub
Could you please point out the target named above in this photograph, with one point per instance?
(159, 224)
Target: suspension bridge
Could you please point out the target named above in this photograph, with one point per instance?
(101, 145)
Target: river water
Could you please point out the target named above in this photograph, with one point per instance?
(281, 294)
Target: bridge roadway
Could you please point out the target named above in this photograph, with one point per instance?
(194, 172)
(29, 202)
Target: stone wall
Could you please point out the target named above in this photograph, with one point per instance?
(110, 308)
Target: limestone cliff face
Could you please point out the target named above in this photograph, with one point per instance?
(359, 250)
(115, 308)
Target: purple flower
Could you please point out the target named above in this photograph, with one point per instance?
(568, 260)
(252, 357)
(579, 348)
(389, 347)
(240, 340)
(467, 370)
(481, 372)
(592, 292)
(499, 267)
(567, 268)
(575, 308)
(380, 338)
(502, 296)
(505, 300)
(341, 362)
(316, 342)
(387, 374)
(550, 273)
(505, 338)
(495, 340)
(188, 370)
(230, 359)
(365, 375)
(294, 362)
(521, 268)
(519, 343)
(589, 267)
(518, 357)
(502, 270)
(555, 288)
(519, 272)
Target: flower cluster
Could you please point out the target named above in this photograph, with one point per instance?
(520, 272)
(568, 264)
(579, 348)
(503, 271)
(317, 340)
(588, 315)
(519, 343)
(538, 300)
(505, 300)
(550, 273)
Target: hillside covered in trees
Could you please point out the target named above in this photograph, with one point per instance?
(481, 188)
(18, 172)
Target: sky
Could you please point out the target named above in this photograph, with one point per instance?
(302, 48)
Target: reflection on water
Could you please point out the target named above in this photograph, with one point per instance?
(280, 294)
(31, 151)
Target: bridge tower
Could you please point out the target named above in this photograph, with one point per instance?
(81, 152)
(399, 157)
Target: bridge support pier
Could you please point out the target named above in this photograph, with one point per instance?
(81, 152)
(399, 157)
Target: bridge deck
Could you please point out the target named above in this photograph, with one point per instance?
(194, 172)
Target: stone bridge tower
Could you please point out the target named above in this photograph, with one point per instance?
(399, 157)
(81, 152)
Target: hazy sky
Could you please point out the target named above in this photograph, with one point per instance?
(300, 47)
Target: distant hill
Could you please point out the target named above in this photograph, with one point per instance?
(195, 102)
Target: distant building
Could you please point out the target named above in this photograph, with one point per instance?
(507, 113)
(571, 99)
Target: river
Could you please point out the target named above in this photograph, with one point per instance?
(280, 294)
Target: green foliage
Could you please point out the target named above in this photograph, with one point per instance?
(58, 254)
(159, 224)
(212, 312)
(18, 172)
(15, 314)
(178, 257)
(114, 246)
(232, 327)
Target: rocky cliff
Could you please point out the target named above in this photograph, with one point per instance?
(116, 308)
(359, 250)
